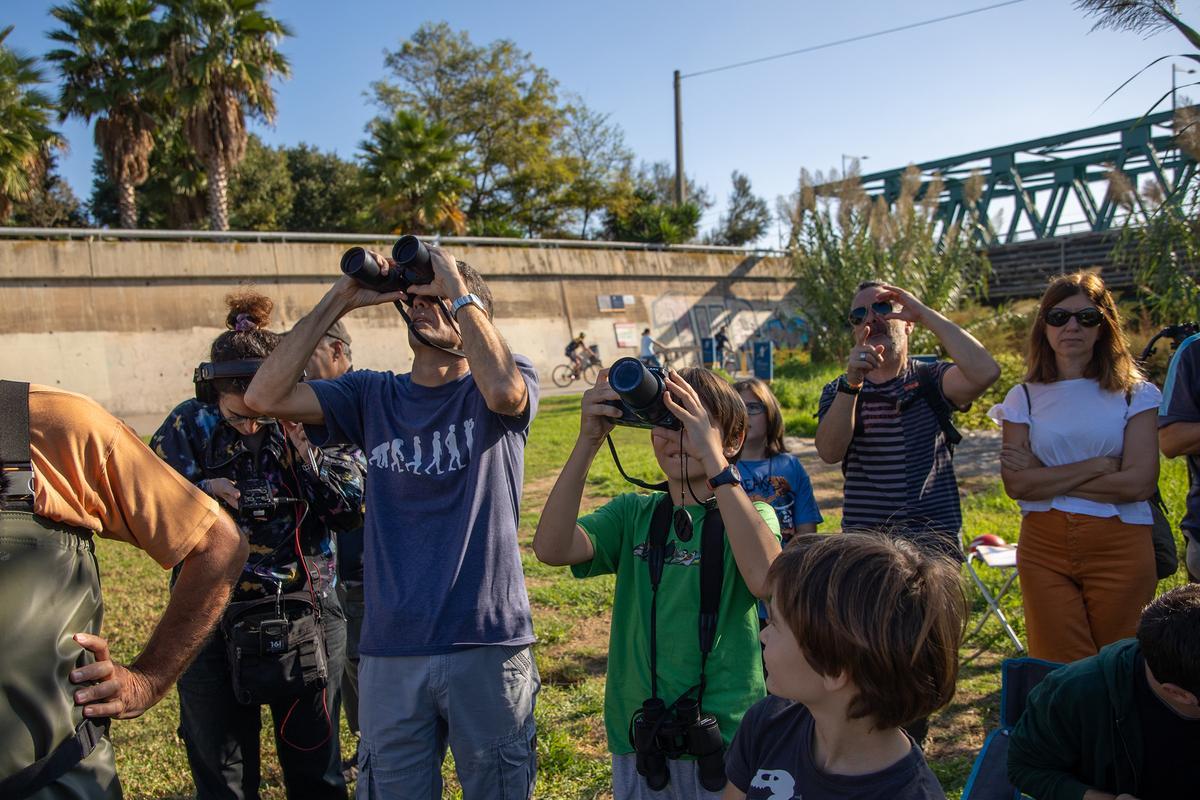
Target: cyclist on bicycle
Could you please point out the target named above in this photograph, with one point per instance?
(578, 352)
(647, 355)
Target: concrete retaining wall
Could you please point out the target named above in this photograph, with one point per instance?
(127, 321)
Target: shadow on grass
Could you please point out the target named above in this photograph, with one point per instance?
(569, 669)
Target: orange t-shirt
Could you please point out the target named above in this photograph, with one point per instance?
(91, 471)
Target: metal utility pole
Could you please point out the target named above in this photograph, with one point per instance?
(680, 182)
(1174, 69)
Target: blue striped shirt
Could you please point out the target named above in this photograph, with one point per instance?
(899, 472)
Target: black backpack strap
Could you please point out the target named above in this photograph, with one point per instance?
(712, 576)
(14, 423)
(58, 762)
(930, 390)
(656, 542)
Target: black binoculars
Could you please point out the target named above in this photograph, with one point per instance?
(414, 266)
(660, 733)
(641, 391)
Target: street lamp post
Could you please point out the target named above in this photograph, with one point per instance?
(1175, 69)
(856, 158)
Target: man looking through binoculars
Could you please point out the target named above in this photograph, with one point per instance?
(445, 656)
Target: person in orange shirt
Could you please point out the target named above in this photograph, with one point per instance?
(72, 471)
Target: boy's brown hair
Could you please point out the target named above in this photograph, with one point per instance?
(725, 408)
(879, 609)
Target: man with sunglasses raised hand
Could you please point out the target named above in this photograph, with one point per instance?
(887, 419)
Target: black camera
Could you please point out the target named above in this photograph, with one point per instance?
(641, 391)
(414, 266)
(256, 502)
(661, 733)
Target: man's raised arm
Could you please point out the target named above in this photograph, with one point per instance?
(276, 389)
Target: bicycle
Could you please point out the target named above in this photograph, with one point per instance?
(564, 375)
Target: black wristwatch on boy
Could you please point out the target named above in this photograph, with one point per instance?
(726, 477)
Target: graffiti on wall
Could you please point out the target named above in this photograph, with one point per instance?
(681, 321)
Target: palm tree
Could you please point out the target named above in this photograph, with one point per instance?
(25, 134)
(222, 56)
(108, 64)
(414, 169)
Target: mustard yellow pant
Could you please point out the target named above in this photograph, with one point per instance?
(1084, 581)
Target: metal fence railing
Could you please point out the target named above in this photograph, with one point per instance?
(367, 238)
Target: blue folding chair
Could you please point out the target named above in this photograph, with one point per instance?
(989, 775)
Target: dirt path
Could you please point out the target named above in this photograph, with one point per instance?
(976, 463)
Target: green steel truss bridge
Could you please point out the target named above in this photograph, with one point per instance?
(1055, 185)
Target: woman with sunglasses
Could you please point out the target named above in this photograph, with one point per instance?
(228, 450)
(1080, 456)
(769, 472)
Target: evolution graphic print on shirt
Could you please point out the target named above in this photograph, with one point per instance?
(391, 455)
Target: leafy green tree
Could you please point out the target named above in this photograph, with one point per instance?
(597, 158)
(108, 62)
(50, 203)
(222, 56)
(501, 109)
(746, 218)
(260, 189)
(25, 134)
(329, 192)
(412, 169)
(839, 240)
(173, 197)
(641, 208)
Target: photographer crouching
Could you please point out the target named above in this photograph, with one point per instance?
(282, 640)
(445, 654)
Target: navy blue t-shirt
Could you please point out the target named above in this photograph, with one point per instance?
(1181, 403)
(441, 567)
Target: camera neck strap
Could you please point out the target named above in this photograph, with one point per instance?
(441, 304)
(650, 487)
(712, 576)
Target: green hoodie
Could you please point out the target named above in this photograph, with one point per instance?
(1080, 729)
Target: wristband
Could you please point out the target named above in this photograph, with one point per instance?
(845, 387)
(466, 300)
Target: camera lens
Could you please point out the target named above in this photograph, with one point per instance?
(634, 383)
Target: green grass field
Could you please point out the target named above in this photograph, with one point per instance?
(571, 619)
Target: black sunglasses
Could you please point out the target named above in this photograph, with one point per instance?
(859, 315)
(1088, 317)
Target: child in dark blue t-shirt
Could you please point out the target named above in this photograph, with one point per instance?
(863, 637)
(770, 473)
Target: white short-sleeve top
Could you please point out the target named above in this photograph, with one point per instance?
(1072, 421)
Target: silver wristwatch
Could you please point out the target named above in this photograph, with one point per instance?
(466, 300)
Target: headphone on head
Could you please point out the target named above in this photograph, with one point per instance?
(208, 372)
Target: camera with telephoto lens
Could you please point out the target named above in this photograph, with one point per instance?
(661, 733)
(256, 502)
(641, 390)
(414, 266)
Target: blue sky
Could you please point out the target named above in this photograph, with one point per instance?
(1013, 73)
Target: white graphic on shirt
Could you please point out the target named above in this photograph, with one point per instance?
(446, 451)
(436, 461)
(379, 456)
(415, 464)
(452, 448)
(780, 783)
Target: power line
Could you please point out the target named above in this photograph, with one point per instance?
(851, 39)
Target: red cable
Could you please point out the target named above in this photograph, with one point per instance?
(316, 607)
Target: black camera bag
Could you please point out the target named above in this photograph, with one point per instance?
(275, 648)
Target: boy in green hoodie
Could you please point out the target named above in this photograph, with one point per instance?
(1124, 723)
